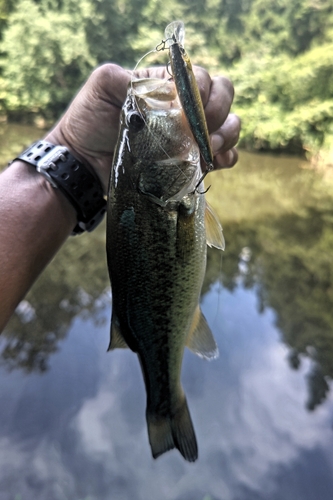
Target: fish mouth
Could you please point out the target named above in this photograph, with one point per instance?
(160, 142)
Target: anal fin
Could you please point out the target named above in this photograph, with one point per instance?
(214, 231)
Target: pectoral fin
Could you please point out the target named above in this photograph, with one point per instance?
(200, 339)
(214, 232)
(117, 341)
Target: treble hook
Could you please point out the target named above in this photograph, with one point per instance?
(167, 68)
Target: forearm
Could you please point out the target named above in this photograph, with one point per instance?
(35, 220)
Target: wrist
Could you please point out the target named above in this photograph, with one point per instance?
(39, 197)
(72, 178)
(58, 136)
(35, 214)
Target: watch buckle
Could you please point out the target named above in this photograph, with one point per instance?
(49, 161)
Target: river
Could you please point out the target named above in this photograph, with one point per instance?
(72, 416)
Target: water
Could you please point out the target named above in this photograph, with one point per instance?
(72, 417)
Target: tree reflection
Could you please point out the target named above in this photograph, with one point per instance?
(296, 280)
(76, 282)
(291, 268)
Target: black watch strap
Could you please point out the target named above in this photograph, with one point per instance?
(72, 178)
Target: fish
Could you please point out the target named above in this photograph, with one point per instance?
(188, 91)
(158, 226)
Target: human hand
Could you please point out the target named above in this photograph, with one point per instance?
(89, 127)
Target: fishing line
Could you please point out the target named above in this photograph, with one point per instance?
(163, 43)
(219, 288)
(154, 136)
(133, 93)
(160, 47)
(143, 57)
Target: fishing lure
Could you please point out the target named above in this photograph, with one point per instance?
(188, 91)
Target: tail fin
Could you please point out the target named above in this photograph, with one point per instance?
(174, 431)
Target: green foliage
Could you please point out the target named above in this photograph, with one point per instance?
(283, 80)
(208, 26)
(278, 54)
(6, 7)
(46, 56)
(112, 28)
(286, 26)
(291, 108)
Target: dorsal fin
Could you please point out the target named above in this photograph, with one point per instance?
(214, 232)
(117, 341)
(200, 339)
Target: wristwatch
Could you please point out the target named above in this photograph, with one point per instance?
(64, 172)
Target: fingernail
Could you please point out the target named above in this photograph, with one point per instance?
(217, 142)
(230, 158)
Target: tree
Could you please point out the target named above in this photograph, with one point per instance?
(6, 7)
(46, 57)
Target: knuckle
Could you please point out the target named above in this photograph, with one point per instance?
(103, 74)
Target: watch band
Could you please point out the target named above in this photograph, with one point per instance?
(72, 178)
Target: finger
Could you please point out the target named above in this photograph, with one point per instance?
(219, 102)
(156, 72)
(227, 136)
(204, 82)
(109, 82)
(226, 160)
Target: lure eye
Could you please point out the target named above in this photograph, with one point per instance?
(135, 121)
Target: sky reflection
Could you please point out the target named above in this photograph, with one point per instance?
(78, 431)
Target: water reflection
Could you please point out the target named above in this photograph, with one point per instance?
(285, 257)
(79, 430)
(76, 283)
(294, 277)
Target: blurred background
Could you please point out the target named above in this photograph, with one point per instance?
(72, 423)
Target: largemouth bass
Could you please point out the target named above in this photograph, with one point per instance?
(156, 248)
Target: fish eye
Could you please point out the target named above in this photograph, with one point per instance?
(135, 121)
